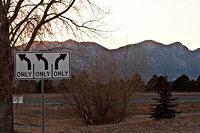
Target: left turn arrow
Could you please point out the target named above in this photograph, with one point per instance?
(23, 57)
(40, 57)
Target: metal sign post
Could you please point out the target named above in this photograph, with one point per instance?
(40, 66)
(42, 92)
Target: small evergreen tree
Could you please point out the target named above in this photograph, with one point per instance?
(164, 106)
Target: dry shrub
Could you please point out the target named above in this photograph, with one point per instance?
(32, 87)
(101, 92)
(25, 87)
(100, 103)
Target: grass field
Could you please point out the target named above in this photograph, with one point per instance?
(61, 119)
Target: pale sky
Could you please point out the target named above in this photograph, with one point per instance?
(164, 21)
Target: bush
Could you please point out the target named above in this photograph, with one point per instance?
(25, 87)
(101, 92)
(100, 103)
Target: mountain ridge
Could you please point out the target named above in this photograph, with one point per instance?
(174, 59)
(146, 42)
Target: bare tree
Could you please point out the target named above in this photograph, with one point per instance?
(27, 20)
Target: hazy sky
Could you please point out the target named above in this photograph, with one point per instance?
(165, 21)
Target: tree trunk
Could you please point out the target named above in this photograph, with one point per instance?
(6, 77)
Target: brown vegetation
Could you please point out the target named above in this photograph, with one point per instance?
(60, 118)
(102, 96)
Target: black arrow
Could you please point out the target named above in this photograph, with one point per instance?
(40, 57)
(23, 57)
(62, 57)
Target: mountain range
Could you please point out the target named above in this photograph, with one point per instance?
(171, 60)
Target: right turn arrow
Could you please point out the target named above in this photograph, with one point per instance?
(62, 57)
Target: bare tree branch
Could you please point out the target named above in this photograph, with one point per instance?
(7, 5)
(59, 14)
(43, 21)
(16, 10)
(1, 4)
(16, 29)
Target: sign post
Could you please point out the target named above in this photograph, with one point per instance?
(40, 66)
(42, 90)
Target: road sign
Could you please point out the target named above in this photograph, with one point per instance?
(42, 65)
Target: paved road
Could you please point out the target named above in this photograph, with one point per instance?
(140, 97)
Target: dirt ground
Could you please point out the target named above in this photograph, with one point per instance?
(61, 119)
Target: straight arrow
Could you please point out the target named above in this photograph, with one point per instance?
(23, 57)
(40, 57)
(61, 57)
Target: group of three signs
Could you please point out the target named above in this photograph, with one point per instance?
(42, 65)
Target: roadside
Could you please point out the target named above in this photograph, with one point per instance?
(35, 99)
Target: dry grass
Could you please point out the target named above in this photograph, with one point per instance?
(60, 118)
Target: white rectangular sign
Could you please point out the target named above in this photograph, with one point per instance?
(42, 65)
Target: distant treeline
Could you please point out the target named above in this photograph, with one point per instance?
(181, 84)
